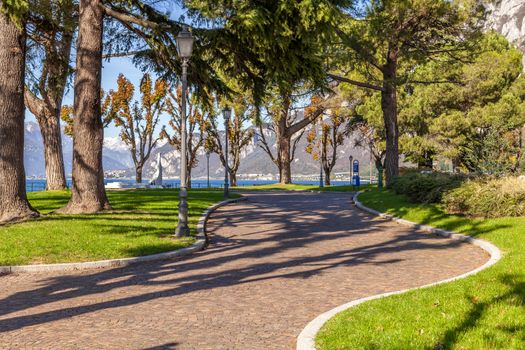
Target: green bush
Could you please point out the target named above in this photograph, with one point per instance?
(487, 198)
(426, 187)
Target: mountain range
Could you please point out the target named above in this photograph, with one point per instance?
(255, 163)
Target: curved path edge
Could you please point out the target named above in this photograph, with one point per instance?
(306, 339)
(200, 244)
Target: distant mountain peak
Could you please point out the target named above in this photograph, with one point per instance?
(117, 160)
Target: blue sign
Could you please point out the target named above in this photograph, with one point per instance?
(356, 167)
(356, 181)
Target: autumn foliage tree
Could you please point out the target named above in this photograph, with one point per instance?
(196, 129)
(239, 137)
(288, 124)
(138, 120)
(325, 137)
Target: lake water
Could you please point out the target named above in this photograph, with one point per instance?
(40, 185)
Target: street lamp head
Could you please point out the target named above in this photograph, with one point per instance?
(351, 158)
(185, 43)
(226, 111)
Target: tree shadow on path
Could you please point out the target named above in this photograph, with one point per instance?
(288, 250)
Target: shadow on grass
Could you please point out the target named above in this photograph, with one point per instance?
(514, 296)
(298, 221)
(427, 214)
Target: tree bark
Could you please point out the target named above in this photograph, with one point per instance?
(138, 174)
(379, 167)
(233, 178)
(14, 205)
(327, 177)
(47, 108)
(54, 158)
(285, 171)
(284, 146)
(389, 108)
(88, 194)
(188, 178)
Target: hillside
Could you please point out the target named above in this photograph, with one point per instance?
(117, 161)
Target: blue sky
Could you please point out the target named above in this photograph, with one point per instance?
(110, 73)
(112, 69)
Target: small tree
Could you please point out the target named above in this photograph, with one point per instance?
(289, 125)
(137, 121)
(324, 147)
(197, 125)
(366, 122)
(373, 139)
(239, 137)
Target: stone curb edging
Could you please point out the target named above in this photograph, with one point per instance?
(306, 339)
(198, 245)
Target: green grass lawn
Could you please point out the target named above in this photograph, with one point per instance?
(141, 223)
(295, 187)
(484, 311)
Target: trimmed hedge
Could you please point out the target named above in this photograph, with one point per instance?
(426, 187)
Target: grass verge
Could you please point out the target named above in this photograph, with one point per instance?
(141, 223)
(484, 311)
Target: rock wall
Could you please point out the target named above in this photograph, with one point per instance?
(508, 18)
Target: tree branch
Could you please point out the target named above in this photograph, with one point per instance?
(124, 17)
(354, 82)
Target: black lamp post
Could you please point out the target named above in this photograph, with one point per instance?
(208, 154)
(351, 159)
(321, 154)
(184, 50)
(227, 114)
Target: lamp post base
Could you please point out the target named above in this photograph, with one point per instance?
(182, 231)
(182, 227)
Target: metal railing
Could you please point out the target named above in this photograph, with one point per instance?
(41, 186)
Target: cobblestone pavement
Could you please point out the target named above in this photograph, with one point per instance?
(274, 263)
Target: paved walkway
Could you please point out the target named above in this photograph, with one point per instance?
(274, 263)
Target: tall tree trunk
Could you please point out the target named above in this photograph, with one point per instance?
(12, 174)
(327, 174)
(88, 194)
(284, 158)
(233, 178)
(389, 108)
(138, 174)
(379, 168)
(54, 158)
(284, 144)
(188, 176)
(47, 108)
(49, 123)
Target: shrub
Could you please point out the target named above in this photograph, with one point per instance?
(488, 198)
(426, 187)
